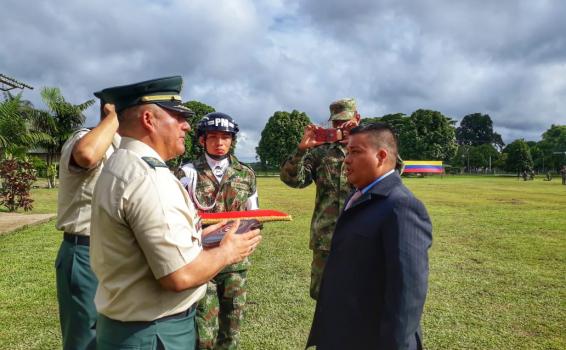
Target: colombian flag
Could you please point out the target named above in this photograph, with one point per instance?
(423, 166)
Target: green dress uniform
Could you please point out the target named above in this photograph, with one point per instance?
(144, 227)
(76, 283)
(323, 165)
(220, 312)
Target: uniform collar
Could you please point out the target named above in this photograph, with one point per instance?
(140, 148)
(213, 163)
(218, 167)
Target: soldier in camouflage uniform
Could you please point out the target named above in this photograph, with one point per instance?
(218, 182)
(323, 164)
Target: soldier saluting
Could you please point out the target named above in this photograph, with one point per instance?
(218, 182)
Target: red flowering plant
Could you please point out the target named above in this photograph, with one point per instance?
(16, 176)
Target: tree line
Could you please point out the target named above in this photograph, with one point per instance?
(473, 146)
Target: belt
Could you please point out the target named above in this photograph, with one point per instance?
(181, 314)
(76, 239)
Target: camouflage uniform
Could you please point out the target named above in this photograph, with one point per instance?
(220, 312)
(325, 166)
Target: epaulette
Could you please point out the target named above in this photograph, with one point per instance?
(154, 162)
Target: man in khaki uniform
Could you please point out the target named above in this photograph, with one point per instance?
(82, 159)
(146, 242)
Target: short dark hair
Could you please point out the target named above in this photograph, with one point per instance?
(382, 136)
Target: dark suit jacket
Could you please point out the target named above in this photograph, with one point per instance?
(376, 278)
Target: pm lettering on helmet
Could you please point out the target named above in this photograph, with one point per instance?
(217, 121)
(223, 122)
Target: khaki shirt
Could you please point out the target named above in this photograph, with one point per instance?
(144, 227)
(75, 187)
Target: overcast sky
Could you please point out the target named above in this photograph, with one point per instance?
(506, 58)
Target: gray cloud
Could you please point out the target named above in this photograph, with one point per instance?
(252, 58)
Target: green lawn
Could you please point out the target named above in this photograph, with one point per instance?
(44, 201)
(497, 274)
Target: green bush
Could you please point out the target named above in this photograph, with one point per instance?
(39, 165)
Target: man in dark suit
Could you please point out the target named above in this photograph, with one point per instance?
(375, 283)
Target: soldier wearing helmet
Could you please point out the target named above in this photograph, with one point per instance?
(218, 182)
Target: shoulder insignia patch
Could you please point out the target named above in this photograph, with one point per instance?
(154, 162)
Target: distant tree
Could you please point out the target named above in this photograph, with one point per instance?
(477, 129)
(192, 148)
(483, 157)
(500, 163)
(368, 120)
(518, 157)
(280, 137)
(399, 122)
(60, 120)
(552, 146)
(428, 135)
(537, 155)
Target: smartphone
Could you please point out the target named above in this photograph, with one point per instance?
(213, 239)
(328, 135)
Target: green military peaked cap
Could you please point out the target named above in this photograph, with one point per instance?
(343, 109)
(163, 92)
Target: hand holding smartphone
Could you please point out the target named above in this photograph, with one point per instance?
(328, 135)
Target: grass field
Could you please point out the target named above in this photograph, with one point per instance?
(497, 269)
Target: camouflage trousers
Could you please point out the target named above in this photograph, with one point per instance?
(221, 311)
(319, 258)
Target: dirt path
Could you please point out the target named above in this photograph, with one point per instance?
(13, 221)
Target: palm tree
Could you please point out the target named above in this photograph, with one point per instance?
(17, 126)
(59, 122)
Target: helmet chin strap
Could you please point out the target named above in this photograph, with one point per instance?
(215, 157)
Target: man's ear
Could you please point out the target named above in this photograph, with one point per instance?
(201, 141)
(382, 155)
(148, 119)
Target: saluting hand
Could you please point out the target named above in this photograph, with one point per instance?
(110, 110)
(238, 246)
